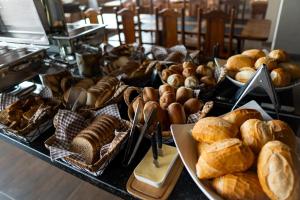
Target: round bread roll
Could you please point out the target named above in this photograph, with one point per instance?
(176, 80)
(187, 64)
(256, 133)
(183, 94)
(176, 114)
(279, 55)
(239, 186)
(254, 53)
(201, 147)
(166, 73)
(283, 133)
(165, 88)
(202, 70)
(139, 100)
(278, 171)
(178, 68)
(208, 80)
(189, 71)
(212, 129)
(292, 68)
(224, 157)
(239, 116)
(191, 82)
(192, 105)
(148, 108)
(245, 75)
(280, 77)
(166, 99)
(269, 62)
(236, 62)
(150, 94)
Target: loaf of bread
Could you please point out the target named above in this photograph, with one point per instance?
(201, 147)
(212, 129)
(254, 53)
(224, 157)
(236, 62)
(239, 116)
(239, 186)
(280, 77)
(278, 171)
(269, 62)
(176, 113)
(279, 55)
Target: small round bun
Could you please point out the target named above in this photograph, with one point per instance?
(191, 106)
(189, 71)
(138, 100)
(239, 116)
(254, 53)
(280, 77)
(187, 64)
(293, 69)
(176, 80)
(191, 82)
(150, 94)
(176, 114)
(183, 94)
(279, 55)
(245, 75)
(148, 108)
(202, 70)
(269, 62)
(166, 73)
(166, 99)
(165, 88)
(236, 62)
(208, 80)
(178, 68)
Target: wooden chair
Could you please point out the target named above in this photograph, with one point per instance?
(259, 9)
(228, 5)
(168, 36)
(128, 26)
(215, 32)
(92, 15)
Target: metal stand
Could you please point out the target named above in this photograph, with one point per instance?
(260, 79)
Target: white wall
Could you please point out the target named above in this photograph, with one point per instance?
(272, 15)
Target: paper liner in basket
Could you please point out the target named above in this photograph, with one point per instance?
(68, 124)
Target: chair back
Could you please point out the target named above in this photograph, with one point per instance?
(228, 5)
(92, 15)
(259, 9)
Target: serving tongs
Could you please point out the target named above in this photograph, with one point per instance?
(263, 80)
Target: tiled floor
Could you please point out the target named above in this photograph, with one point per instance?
(24, 177)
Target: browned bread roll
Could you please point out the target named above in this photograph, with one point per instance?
(191, 82)
(256, 133)
(236, 62)
(280, 77)
(166, 73)
(239, 186)
(239, 116)
(192, 105)
(292, 68)
(269, 62)
(178, 68)
(159, 117)
(183, 94)
(283, 133)
(166, 99)
(165, 88)
(187, 64)
(201, 147)
(176, 114)
(204, 71)
(254, 53)
(279, 55)
(224, 157)
(176, 80)
(278, 171)
(245, 75)
(189, 71)
(139, 100)
(212, 129)
(208, 80)
(150, 94)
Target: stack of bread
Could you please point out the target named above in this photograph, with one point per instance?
(243, 66)
(173, 105)
(90, 140)
(189, 75)
(248, 158)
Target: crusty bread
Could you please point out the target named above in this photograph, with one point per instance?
(166, 99)
(201, 147)
(176, 113)
(150, 94)
(279, 55)
(176, 80)
(239, 186)
(278, 171)
(245, 75)
(236, 62)
(254, 53)
(269, 62)
(204, 71)
(293, 69)
(165, 88)
(212, 129)
(224, 157)
(189, 71)
(191, 106)
(191, 82)
(280, 77)
(239, 116)
(183, 94)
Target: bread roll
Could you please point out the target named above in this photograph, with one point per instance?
(201, 147)
(279, 55)
(159, 112)
(191, 82)
(269, 62)
(254, 53)
(178, 68)
(187, 64)
(256, 133)
(293, 69)
(224, 157)
(165, 88)
(192, 105)
(150, 94)
(245, 75)
(189, 71)
(183, 94)
(176, 80)
(208, 80)
(202, 70)
(283, 133)
(166, 99)
(166, 73)
(212, 129)
(139, 100)
(176, 114)
(239, 116)
(239, 186)
(278, 171)
(280, 77)
(236, 62)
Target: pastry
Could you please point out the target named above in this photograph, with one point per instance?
(212, 129)
(189, 71)
(280, 77)
(176, 114)
(166, 99)
(183, 94)
(279, 55)
(150, 94)
(191, 106)
(239, 186)
(292, 68)
(202, 70)
(282, 132)
(176, 80)
(166, 73)
(269, 62)
(224, 157)
(256, 133)
(278, 171)
(239, 116)
(245, 75)
(236, 62)
(254, 53)
(208, 80)
(165, 88)
(191, 82)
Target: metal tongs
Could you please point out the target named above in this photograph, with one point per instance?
(156, 144)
